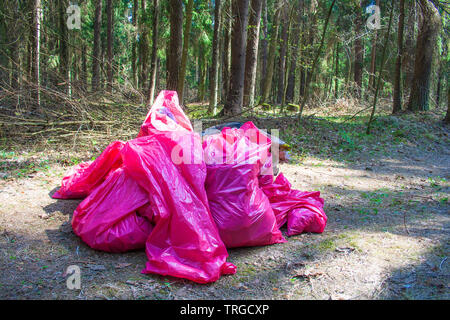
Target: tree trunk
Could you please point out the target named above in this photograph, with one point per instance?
(4, 58)
(336, 72)
(37, 12)
(102, 62)
(443, 69)
(213, 78)
(143, 44)
(203, 70)
(96, 59)
(438, 86)
(380, 72)
(11, 32)
(283, 50)
(251, 58)
(154, 61)
(295, 52)
(84, 67)
(110, 42)
(409, 47)
(271, 59)
(15, 65)
(349, 66)
(238, 51)
(447, 116)
(397, 104)
(312, 34)
(158, 71)
(264, 47)
(316, 59)
(373, 57)
(358, 68)
(75, 76)
(63, 46)
(184, 56)
(29, 58)
(301, 50)
(175, 44)
(135, 41)
(426, 42)
(228, 24)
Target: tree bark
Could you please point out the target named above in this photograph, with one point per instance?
(228, 24)
(316, 59)
(63, 46)
(213, 78)
(409, 47)
(96, 59)
(184, 56)
(336, 72)
(358, 68)
(11, 32)
(268, 77)
(154, 59)
(203, 73)
(110, 42)
(37, 12)
(84, 67)
(397, 102)
(143, 45)
(175, 43)
(301, 50)
(438, 86)
(264, 46)
(283, 50)
(312, 34)
(251, 58)
(442, 69)
(135, 43)
(373, 57)
(447, 116)
(102, 62)
(426, 42)
(238, 51)
(295, 53)
(380, 72)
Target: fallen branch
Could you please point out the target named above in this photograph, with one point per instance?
(49, 130)
(357, 114)
(404, 223)
(440, 265)
(61, 123)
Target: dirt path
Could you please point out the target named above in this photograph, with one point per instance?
(387, 238)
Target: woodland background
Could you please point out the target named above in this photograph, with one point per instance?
(234, 56)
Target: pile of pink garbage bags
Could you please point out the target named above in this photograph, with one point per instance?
(186, 200)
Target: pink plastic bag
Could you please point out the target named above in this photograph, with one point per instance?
(151, 193)
(85, 177)
(277, 192)
(107, 219)
(303, 211)
(240, 209)
(308, 217)
(165, 115)
(167, 161)
(185, 241)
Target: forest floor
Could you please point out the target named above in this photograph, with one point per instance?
(386, 197)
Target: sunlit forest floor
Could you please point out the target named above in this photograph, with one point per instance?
(386, 196)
